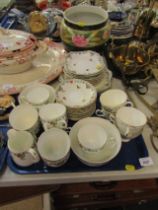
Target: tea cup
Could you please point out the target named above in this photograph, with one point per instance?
(130, 122)
(37, 96)
(92, 137)
(24, 117)
(53, 115)
(22, 148)
(54, 147)
(111, 100)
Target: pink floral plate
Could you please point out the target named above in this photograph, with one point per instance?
(13, 41)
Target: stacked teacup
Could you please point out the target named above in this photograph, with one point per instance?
(37, 105)
(53, 147)
(119, 110)
(89, 66)
(111, 100)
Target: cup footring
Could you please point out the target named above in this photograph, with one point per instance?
(125, 140)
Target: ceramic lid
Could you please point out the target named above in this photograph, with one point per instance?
(15, 40)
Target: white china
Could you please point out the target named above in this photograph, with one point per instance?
(84, 63)
(21, 147)
(45, 69)
(76, 93)
(78, 96)
(101, 82)
(130, 122)
(92, 137)
(17, 50)
(24, 117)
(37, 95)
(110, 149)
(53, 115)
(54, 147)
(111, 100)
(89, 66)
(14, 40)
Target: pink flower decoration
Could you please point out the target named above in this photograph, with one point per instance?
(79, 41)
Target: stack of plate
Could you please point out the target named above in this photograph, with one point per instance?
(79, 97)
(89, 66)
(17, 49)
(95, 141)
(121, 30)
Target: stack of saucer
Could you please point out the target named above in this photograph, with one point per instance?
(79, 97)
(122, 30)
(89, 66)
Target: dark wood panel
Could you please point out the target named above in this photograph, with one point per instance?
(110, 194)
(11, 194)
(84, 188)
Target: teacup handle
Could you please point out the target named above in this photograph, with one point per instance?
(112, 118)
(100, 113)
(68, 129)
(62, 124)
(129, 103)
(127, 132)
(34, 154)
(46, 126)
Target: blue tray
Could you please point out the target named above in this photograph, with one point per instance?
(3, 149)
(129, 155)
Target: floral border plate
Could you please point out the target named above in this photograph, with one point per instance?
(84, 63)
(15, 40)
(44, 71)
(76, 93)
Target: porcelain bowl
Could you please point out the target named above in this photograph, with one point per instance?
(85, 27)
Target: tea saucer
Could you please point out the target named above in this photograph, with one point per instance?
(76, 93)
(108, 152)
(45, 69)
(28, 92)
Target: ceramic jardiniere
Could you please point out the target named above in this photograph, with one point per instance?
(85, 27)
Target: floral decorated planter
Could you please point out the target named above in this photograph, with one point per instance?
(85, 27)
